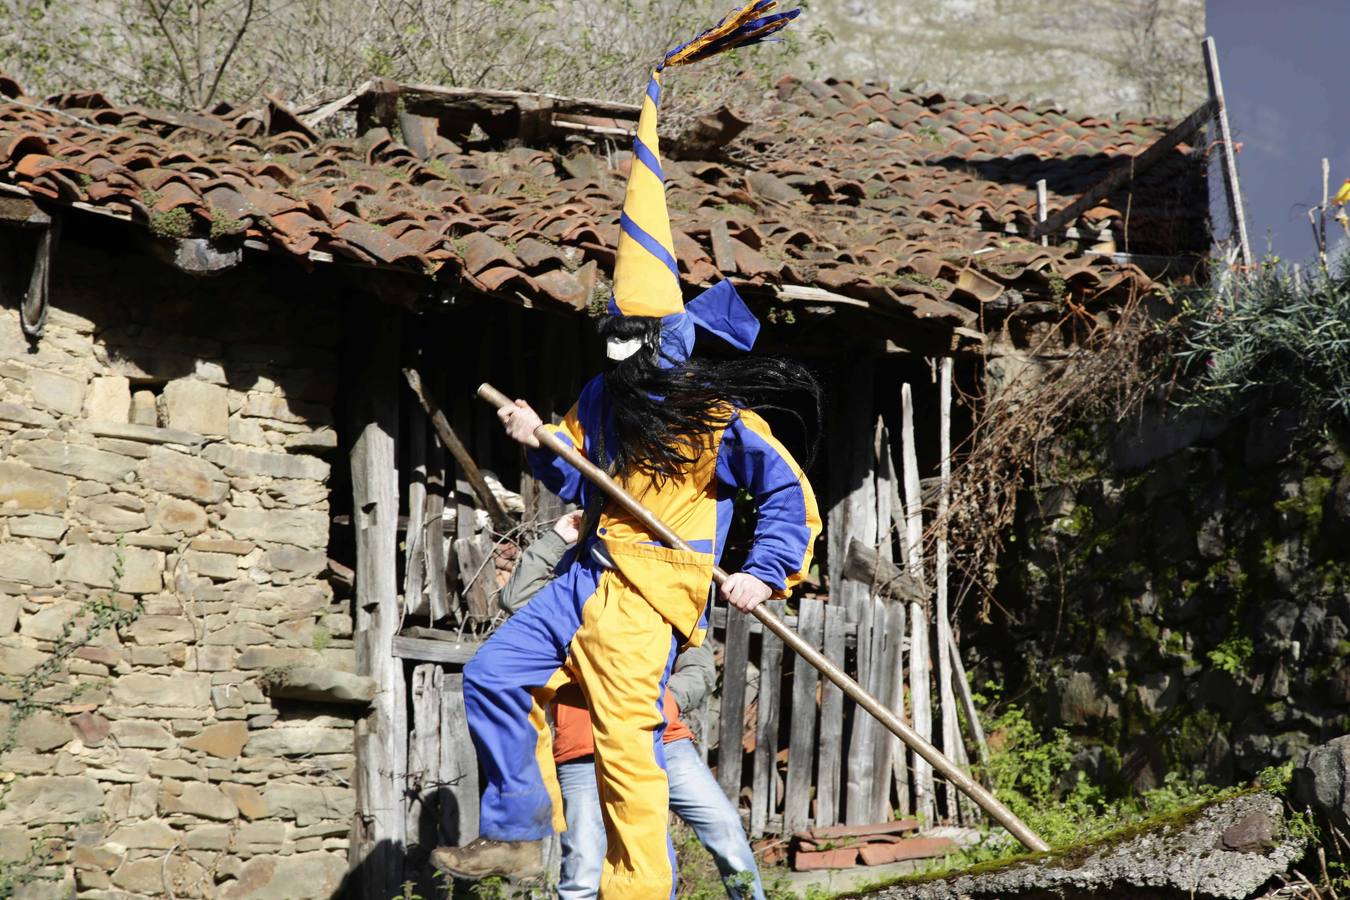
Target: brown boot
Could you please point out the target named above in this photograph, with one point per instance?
(484, 858)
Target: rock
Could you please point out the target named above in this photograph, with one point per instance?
(305, 876)
(1322, 781)
(41, 731)
(1081, 701)
(197, 799)
(56, 392)
(92, 564)
(1253, 833)
(19, 660)
(47, 528)
(183, 476)
(187, 689)
(154, 834)
(91, 728)
(208, 837)
(250, 802)
(47, 624)
(144, 735)
(182, 516)
(51, 799)
(9, 614)
(76, 459)
(308, 804)
(87, 857)
(25, 488)
(294, 560)
(236, 461)
(303, 528)
(26, 564)
(224, 741)
(156, 630)
(143, 408)
(301, 740)
(1185, 859)
(114, 512)
(109, 399)
(220, 566)
(25, 415)
(132, 435)
(196, 406)
(174, 875)
(323, 439)
(325, 686)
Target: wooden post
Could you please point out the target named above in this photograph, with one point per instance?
(424, 756)
(950, 728)
(797, 794)
(381, 737)
(765, 777)
(889, 754)
(438, 602)
(459, 766)
(830, 761)
(919, 696)
(1042, 211)
(968, 703)
(1232, 189)
(731, 722)
(414, 538)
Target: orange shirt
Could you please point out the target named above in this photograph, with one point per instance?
(572, 737)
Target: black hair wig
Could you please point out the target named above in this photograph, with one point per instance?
(663, 416)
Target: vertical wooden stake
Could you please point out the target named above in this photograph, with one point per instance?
(1230, 174)
(382, 736)
(731, 723)
(830, 762)
(919, 694)
(1042, 210)
(951, 734)
(801, 755)
(765, 778)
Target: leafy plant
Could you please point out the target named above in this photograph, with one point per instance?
(1278, 329)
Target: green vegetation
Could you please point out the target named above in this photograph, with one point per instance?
(1280, 329)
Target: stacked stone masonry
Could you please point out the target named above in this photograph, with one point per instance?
(180, 429)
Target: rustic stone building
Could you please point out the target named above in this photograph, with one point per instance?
(222, 516)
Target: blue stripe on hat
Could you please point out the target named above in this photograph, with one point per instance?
(648, 158)
(649, 243)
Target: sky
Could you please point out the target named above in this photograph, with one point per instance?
(1285, 66)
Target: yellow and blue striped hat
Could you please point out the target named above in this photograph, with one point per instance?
(646, 274)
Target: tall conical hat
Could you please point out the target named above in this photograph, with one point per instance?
(646, 275)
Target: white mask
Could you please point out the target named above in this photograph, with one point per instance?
(618, 350)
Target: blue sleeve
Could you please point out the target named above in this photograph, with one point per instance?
(787, 520)
(552, 471)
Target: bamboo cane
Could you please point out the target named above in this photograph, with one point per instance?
(987, 801)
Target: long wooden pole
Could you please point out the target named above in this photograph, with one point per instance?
(1230, 174)
(987, 801)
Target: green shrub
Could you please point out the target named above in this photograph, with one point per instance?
(1277, 330)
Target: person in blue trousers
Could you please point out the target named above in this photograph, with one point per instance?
(695, 795)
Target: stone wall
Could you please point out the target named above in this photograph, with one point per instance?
(165, 451)
(1183, 595)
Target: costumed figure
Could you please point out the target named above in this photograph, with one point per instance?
(677, 433)
(694, 793)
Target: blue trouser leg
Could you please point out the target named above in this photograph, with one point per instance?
(697, 799)
(694, 796)
(498, 682)
(584, 842)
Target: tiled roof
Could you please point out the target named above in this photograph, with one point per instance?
(900, 201)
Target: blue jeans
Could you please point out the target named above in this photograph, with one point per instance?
(694, 796)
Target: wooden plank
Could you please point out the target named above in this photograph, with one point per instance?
(424, 756)
(459, 767)
(892, 756)
(950, 728)
(962, 685)
(860, 785)
(1232, 189)
(830, 762)
(438, 599)
(731, 722)
(1125, 172)
(378, 835)
(882, 577)
(919, 694)
(852, 490)
(801, 756)
(477, 575)
(1042, 210)
(427, 650)
(763, 778)
(414, 541)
